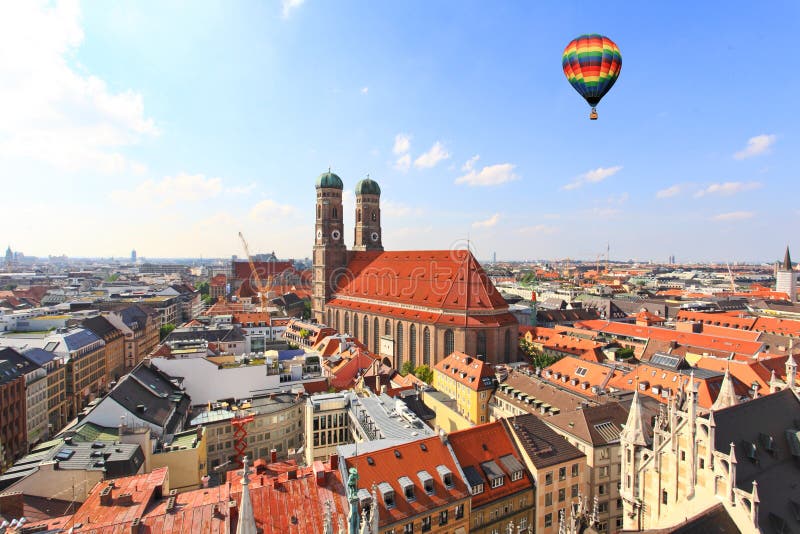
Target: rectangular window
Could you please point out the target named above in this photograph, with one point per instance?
(602, 507)
(426, 524)
(408, 528)
(562, 495)
(604, 471)
(574, 470)
(548, 478)
(602, 489)
(548, 499)
(516, 475)
(497, 482)
(562, 473)
(459, 511)
(443, 517)
(548, 520)
(574, 490)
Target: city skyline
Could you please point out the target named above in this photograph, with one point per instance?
(169, 130)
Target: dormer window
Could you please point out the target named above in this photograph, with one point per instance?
(493, 473)
(388, 494)
(408, 488)
(446, 475)
(427, 481)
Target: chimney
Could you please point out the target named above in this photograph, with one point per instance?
(334, 462)
(106, 498)
(273, 455)
(135, 526)
(292, 473)
(11, 504)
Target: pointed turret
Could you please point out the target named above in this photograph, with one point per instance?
(791, 366)
(247, 521)
(727, 396)
(635, 430)
(787, 261)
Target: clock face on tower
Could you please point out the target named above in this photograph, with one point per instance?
(374, 236)
(336, 235)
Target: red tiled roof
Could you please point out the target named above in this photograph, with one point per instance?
(484, 443)
(467, 371)
(750, 348)
(390, 464)
(439, 279)
(219, 280)
(502, 319)
(565, 371)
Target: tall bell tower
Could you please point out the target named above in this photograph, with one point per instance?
(330, 252)
(368, 216)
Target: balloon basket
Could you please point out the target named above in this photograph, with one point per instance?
(593, 114)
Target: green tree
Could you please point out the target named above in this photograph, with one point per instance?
(537, 357)
(166, 329)
(424, 373)
(304, 333)
(112, 277)
(407, 367)
(624, 353)
(203, 288)
(208, 300)
(306, 314)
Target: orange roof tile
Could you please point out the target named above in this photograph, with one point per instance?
(471, 372)
(387, 466)
(486, 443)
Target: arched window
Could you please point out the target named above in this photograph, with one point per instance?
(355, 325)
(358, 215)
(336, 318)
(335, 213)
(374, 216)
(365, 333)
(507, 347)
(376, 336)
(481, 345)
(346, 323)
(412, 345)
(329, 318)
(426, 346)
(398, 343)
(387, 329)
(319, 211)
(449, 343)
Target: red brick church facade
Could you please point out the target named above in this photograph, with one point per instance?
(404, 305)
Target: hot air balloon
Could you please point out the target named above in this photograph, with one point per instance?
(592, 63)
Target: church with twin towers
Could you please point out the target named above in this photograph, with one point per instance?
(410, 305)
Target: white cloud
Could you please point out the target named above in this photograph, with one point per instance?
(488, 223)
(287, 6)
(470, 163)
(52, 112)
(402, 144)
(364, 90)
(489, 175)
(241, 189)
(622, 198)
(733, 216)
(267, 209)
(593, 176)
(603, 213)
(432, 157)
(756, 146)
(403, 163)
(670, 191)
(170, 190)
(397, 209)
(538, 229)
(727, 188)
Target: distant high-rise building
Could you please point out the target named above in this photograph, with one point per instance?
(786, 278)
(9, 256)
(133, 256)
(494, 257)
(672, 259)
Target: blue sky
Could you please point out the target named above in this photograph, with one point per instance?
(170, 126)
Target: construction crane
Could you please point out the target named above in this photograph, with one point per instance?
(262, 291)
(730, 273)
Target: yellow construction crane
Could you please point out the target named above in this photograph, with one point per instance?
(733, 284)
(262, 291)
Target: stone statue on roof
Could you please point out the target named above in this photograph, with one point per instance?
(352, 484)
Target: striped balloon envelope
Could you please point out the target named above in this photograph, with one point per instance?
(592, 63)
